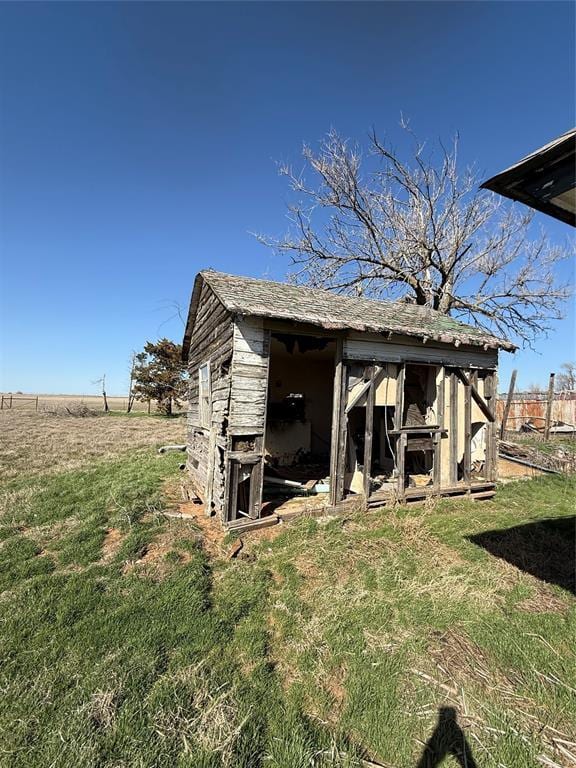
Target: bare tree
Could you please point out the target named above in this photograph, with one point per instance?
(420, 231)
(102, 382)
(566, 381)
(131, 396)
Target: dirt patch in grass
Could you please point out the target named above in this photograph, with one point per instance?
(543, 601)
(212, 534)
(168, 550)
(111, 543)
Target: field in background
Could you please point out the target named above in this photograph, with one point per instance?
(42, 443)
(380, 639)
(27, 402)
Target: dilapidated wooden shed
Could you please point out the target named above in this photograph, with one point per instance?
(301, 392)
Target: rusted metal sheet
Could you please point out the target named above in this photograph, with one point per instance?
(532, 407)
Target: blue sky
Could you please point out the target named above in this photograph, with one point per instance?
(138, 145)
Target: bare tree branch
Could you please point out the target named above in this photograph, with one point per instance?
(421, 231)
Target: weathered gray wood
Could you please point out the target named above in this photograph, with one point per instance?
(369, 431)
(480, 402)
(380, 372)
(401, 464)
(440, 398)
(398, 412)
(233, 473)
(249, 372)
(491, 450)
(453, 429)
(467, 432)
(339, 422)
(436, 468)
(258, 479)
(211, 341)
(210, 473)
(549, 402)
(376, 350)
(508, 403)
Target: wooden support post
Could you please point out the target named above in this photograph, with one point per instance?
(338, 436)
(508, 403)
(437, 466)
(399, 396)
(467, 463)
(401, 463)
(257, 482)
(369, 431)
(234, 470)
(490, 413)
(548, 406)
(453, 436)
(491, 449)
(36, 402)
(11, 399)
(2, 406)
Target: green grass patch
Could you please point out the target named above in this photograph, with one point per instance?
(333, 642)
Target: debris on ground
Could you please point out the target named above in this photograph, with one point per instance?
(558, 460)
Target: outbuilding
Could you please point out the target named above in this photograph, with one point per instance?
(301, 398)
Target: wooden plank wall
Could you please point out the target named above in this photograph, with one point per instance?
(211, 342)
(249, 377)
(370, 347)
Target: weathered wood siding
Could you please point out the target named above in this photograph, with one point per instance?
(211, 342)
(371, 347)
(249, 377)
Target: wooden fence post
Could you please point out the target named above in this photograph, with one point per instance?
(10, 401)
(148, 407)
(508, 403)
(36, 402)
(2, 405)
(549, 407)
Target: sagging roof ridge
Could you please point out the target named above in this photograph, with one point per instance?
(251, 296)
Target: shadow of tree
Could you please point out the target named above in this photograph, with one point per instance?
(447, 739)
(544, 549)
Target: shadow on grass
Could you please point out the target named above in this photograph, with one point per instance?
(447, 739)
(544, 549)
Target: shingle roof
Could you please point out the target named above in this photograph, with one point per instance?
(264, 298)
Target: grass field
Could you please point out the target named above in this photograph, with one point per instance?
(46, 403)
(329, 643)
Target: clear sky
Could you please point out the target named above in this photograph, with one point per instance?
(139, 142)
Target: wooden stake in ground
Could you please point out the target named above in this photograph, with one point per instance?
(508, 403)
(549, 406)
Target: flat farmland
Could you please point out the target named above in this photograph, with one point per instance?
(49, 441)
(23, 401)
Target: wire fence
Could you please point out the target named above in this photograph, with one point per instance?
(42, 403)
(7, 401)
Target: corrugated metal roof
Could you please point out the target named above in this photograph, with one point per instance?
(283, 301)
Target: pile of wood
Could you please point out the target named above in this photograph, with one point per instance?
(560, 461)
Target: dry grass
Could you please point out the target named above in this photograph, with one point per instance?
(32, 443)
(27, 402)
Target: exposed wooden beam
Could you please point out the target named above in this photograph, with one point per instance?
(508, 403)
(467, 463)
(549, 406)
(453, 429)
(337, 440)
(480, 402)
(491, 450)
(369, 431)
(379, 375)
